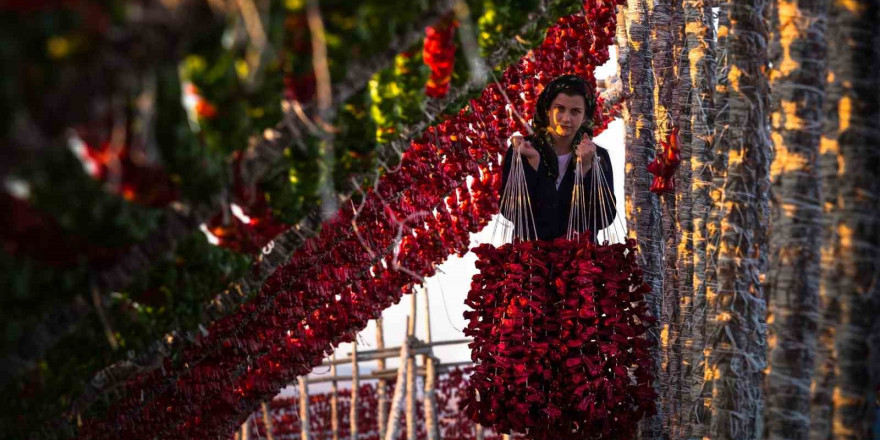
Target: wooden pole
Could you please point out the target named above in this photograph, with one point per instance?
(433, 432)
(304, 408)
(478, 432)
(267, 421)
(411, 373)
(380, 387)
(246, 430)
(334, 401)
(411, 323)
(393, 430)
(355, 384)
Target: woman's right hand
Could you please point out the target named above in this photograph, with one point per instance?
(525, 148)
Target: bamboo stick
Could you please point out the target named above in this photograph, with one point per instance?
(355, 384)
(246, 429)
(304, 408)
(267, 421)
(411, 373)
(393, 430)
(380, 387)
(334, 401)
(433, 432)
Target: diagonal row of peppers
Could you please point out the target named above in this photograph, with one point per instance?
(364, 259)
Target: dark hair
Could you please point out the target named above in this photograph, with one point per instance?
(572, 85)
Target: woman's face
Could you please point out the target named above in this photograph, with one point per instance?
(566, 114)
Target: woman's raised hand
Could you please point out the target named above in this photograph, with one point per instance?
(586, 151)
(525, 148)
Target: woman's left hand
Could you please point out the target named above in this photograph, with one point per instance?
(586, 151)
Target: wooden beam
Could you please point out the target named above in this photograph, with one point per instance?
(381, 354)
(390, 373)
(416, 346)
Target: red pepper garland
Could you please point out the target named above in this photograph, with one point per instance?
(664, 165)
(554, 354)
(439, 55)
(510, 385)
(347, 275)
(605, 364)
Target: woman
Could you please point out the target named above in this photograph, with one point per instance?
(564, 113)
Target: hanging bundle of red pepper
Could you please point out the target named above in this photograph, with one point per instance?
(558, 331)
(664, 165)
(439, 55)
(509, 386)
(604, 363)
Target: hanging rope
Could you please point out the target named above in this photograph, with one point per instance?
(596, 214)
(516, 206)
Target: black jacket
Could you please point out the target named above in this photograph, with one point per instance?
(551, 207)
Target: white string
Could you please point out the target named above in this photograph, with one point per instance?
(617, 227)
(584, 216)
(516, 206)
